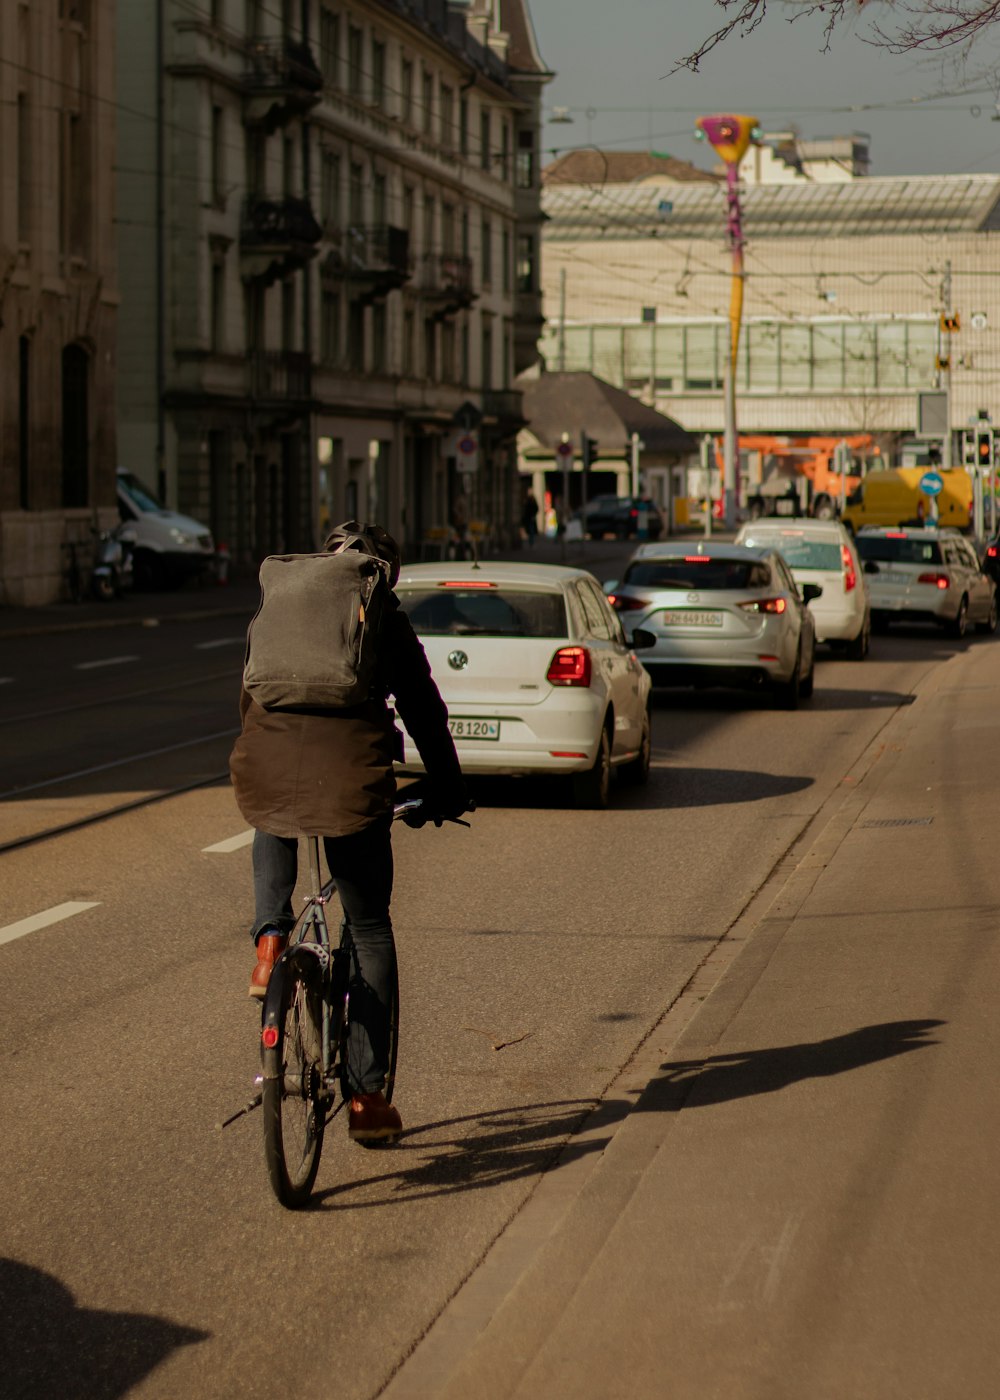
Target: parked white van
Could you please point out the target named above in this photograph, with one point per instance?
(167, 547)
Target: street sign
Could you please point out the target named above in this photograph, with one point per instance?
(564, 449)
(931, 484)
(467, 445)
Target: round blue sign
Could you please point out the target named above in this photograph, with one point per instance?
(931, 484)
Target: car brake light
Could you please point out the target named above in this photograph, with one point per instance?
(850, 577)
(991, 553)
(466, 583)
(895, 535)
(623, 603)
(569, 666)
(697, 559)
(939, 580)
(766, 605)
(633, 514)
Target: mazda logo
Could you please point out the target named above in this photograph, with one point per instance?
(458, 660)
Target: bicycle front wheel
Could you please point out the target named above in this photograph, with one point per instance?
(293, 1095)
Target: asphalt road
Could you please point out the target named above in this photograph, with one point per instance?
(142, 1253)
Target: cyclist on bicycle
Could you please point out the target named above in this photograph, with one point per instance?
(330, 773)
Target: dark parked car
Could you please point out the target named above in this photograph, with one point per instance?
(620, 516)
(991, 560)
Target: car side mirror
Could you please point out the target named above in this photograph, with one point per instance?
(871, 567)
(641, 639)
(811, 591)
(609, 585)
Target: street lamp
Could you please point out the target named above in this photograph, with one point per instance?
(731, 136)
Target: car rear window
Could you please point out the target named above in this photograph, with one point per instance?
(893, 549)
(797, 551)
(703, 573)
(483, 612)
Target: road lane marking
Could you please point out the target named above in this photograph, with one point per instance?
(47, 917)
(107, 661)
(220, 642)
(234, 843)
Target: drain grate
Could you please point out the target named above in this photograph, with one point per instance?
(899, 821)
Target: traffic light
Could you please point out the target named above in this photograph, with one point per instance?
(984, 448)
(951, 323)
(589, 451)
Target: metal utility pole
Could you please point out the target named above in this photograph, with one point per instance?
(706, 449)
(731, 136)
(636, 445)
(562, 320)
(948, 321)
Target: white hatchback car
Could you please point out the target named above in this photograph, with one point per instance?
(927, 575)
(822, 552)
(533, 665)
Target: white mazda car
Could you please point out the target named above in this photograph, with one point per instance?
(536, 672)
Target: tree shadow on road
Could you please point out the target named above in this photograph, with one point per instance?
(464, 1154)
(686, 1084)
(51, 1347)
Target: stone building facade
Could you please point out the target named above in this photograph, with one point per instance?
(58, 291)
(330, 261)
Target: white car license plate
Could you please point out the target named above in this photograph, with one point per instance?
(465, 728)
(689, 618)
(895, 578)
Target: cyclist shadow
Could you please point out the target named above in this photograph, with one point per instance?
(514, 1142)
(50, 1346)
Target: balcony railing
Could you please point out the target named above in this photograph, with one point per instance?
(505, 405)
(374, 258)
(446, 279)
(277, 236)
(281, 375)
(282, 80)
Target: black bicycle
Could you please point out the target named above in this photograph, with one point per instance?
(304, 1038)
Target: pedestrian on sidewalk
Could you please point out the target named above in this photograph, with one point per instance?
(529, 517)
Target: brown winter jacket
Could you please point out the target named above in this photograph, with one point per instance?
(330, 772)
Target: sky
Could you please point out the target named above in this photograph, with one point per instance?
(614, 56)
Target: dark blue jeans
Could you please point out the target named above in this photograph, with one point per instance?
(361, 868)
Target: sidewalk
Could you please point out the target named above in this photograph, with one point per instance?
(802, 1203)
(239, 597)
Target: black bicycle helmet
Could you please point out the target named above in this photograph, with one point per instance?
(368, 539)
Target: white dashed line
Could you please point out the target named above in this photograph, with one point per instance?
(108, 661)
(43, 920)
(220, 642)
(234, 843)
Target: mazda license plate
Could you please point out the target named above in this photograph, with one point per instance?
(465, 728)
(690, 618)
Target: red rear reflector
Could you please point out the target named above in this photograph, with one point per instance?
(269, 1037)
(766, 605)
(764, 656)
(992, 552)
(569, 666)
(556, 753)
(894, 535)
(850, 577)
(467, 583)
(939, 580)
(625, 604)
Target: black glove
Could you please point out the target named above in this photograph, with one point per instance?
(442, 802)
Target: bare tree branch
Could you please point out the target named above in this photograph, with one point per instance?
(917, 24)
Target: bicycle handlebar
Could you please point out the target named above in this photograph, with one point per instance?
(413, 804)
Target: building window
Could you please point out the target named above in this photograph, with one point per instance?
(288, 166)
(329, 47)
(75, 427)
(486, 247)
(356, 197)
(255, 19)
(430, 349)
(406, 92)
(409, 346)
(484, 138)
(505, 271)
(25, 174)
(329, 327)
(505, 151)
(355, 61)
(465, 353)
(428, 231)
(526, 274)
(217, 304)
(356, 336)
(466, 241)
(24, 422)
(526, 159)
(486, 369)
(428, 103)
(463, 126)
(380, 338)
(329, 192)
(380, 201)
(288, 315)
(448, 366)
(218, 172)
(378, 74)
(409, 205)
(448, 229)
(447, 100)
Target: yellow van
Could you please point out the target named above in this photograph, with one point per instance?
(894, 497)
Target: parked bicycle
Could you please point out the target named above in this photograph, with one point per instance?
(304, 1033)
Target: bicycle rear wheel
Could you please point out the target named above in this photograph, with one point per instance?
(293, 1095)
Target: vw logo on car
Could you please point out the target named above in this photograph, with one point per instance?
(457, 660)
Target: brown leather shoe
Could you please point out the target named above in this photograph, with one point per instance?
(372, 1121)
(270, 947)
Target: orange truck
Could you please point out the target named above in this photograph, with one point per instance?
(786, 462)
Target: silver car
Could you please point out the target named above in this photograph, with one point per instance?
(721, 614)
(926, 575)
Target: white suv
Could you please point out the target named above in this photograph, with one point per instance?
(920, 575)
(822, 552)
